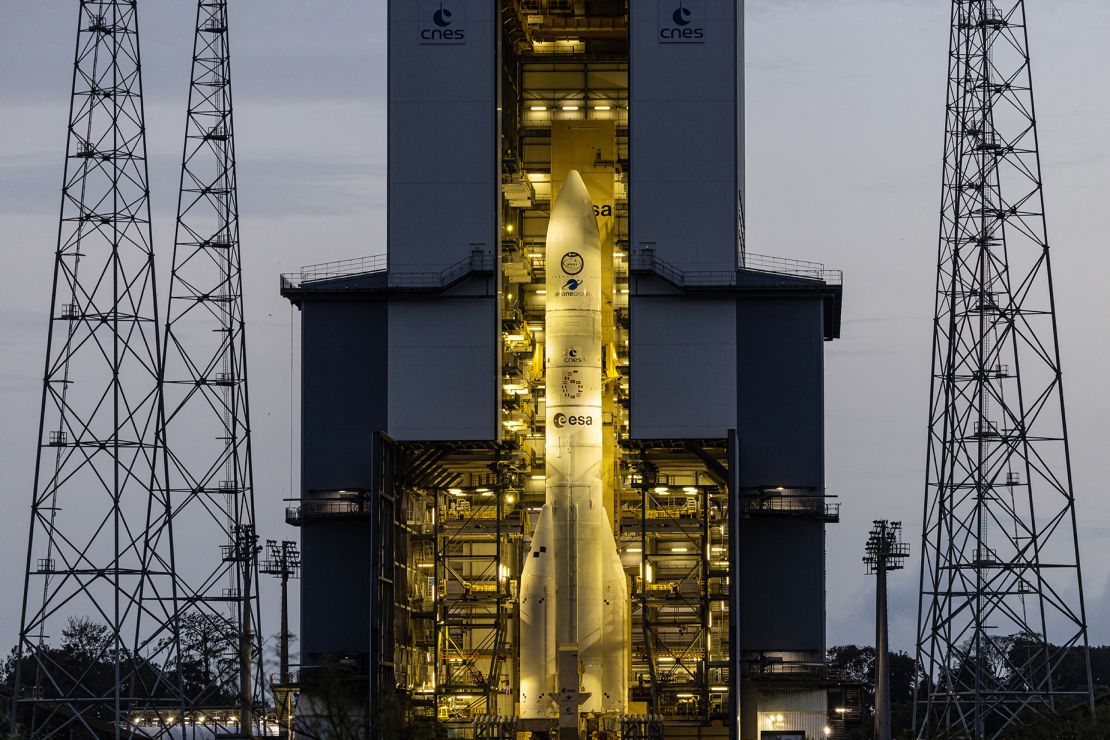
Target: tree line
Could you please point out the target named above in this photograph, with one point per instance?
(84, 663)
(857, 666)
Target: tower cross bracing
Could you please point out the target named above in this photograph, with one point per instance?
(1001, 605)
(98, 635)
(204, 381)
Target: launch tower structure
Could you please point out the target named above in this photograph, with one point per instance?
(100, 569)
(207, 428)
(572, 424)
(1001, 604)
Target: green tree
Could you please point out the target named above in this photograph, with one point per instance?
(857, 663)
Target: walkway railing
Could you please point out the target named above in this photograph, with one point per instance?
(332, 274)
(644, 259)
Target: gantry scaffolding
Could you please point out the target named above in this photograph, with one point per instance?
(462, 522)
(1001, 607)
(451, 523)
(674, 529)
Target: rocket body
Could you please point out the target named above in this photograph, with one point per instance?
(574, 595)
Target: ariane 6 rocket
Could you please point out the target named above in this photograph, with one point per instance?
(573, 592)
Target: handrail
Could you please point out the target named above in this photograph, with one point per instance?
(337, 269)
(480, 260)
(791, 267)
(324, 508)
(644, 259)
(802, 505)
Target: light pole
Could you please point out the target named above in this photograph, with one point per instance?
(884, 552)
(283, 561)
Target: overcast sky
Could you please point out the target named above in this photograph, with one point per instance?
(845, 115)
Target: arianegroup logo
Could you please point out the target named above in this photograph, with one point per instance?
(573, 288)
(443, 22)
(681, 21)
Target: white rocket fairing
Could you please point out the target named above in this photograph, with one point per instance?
(573, 591)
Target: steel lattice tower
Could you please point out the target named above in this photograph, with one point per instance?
(1001, 604)
(92, 555)
(204, 382)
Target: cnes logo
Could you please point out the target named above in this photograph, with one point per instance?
(442, 17)
(681, 21)
(443, 22)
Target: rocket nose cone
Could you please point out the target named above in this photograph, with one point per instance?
(574, 211)
(573, 193)
(574, 185)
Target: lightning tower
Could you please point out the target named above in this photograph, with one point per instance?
(1001, 603)
(204, 381)
(98, 632)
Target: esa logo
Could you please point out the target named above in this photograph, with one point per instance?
(561, 420)
(605, 210)
(443, 22)
(681, 21)
(572, 263)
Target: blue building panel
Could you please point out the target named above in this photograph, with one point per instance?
(444, 164)
(686, 108)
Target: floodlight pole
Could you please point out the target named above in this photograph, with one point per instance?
(882, 657)
(284, 562)
(884, 552)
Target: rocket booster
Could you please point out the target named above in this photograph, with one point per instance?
(574, 595)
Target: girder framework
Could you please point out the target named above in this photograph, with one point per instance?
(98, 637)
(1001, 604)
(674, 523)
(462, 515)
(204, 379)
